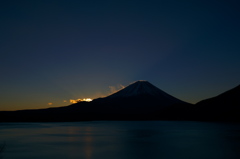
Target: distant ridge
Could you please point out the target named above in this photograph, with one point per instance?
(223, 107)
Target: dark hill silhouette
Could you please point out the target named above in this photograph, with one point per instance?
(224, 107)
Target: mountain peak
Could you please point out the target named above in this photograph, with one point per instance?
(136, 88)
(143, 88)
(141, 81)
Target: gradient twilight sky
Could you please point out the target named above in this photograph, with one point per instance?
(56, 50)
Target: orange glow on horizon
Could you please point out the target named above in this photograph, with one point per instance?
(87, 99)
(80, 100)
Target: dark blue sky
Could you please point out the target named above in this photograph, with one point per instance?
(51, 51)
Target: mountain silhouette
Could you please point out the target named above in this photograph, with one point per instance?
(144, 88)
(139, 101)
(138, 96)
(141, 88)
(224, 107)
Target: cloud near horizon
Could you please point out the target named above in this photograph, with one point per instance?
(114, 89)
(80, 100)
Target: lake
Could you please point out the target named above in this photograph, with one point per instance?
(120, 140)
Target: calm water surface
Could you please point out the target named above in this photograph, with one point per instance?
(121, 140)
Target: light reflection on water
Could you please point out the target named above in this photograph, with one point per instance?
(121, 140)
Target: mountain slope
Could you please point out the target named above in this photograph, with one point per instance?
(143, 88)
(224, 107)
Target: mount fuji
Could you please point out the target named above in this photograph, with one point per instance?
(141, 93)
(139, 99)
(143, 88)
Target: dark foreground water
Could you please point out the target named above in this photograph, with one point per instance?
(120, 140)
